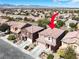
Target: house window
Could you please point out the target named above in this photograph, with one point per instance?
(47, 45)
(49, 38)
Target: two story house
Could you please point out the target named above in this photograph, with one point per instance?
(51, 38)
(31, 33)
(71, 39)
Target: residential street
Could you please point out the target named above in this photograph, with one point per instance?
(7, 51)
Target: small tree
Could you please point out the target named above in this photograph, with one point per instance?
(25, 19)
(27, 14)
(18, 18)
(10, 18)
(72, 25)
(70, 53)
(59, 23)
(61, 52)
(43, 23)
(4, 27)
(11, 37)
(50, 56)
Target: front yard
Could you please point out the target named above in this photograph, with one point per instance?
(31, 46)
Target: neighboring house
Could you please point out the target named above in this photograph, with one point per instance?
(16, 27)
(51, 38)
(71, 39)
(31, 33)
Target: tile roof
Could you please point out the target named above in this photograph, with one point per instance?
(71, 37)
(16, 24)
(55, 33)
(33, 29)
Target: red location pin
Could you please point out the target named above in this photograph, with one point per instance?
(51, 24)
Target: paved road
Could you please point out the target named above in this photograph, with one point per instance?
(7, 51)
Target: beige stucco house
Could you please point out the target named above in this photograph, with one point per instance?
(31, 33)
(71, 39)
(51, 38)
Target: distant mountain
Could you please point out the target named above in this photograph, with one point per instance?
(6, 5)
(21, 6)
(29, 6)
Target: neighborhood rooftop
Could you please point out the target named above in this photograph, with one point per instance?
(33, 29)
(71, 37)
(16, 24)
(55, 33)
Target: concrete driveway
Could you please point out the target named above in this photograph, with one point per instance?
(22, 44)
(38, 50)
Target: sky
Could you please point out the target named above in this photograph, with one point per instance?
(51, 3)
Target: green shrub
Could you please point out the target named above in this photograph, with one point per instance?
(4, 27)
(11, 37)
(26, 47)
(70, 53)
(72, 25)
(61, 52)
(59, 24)
(50, 56)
